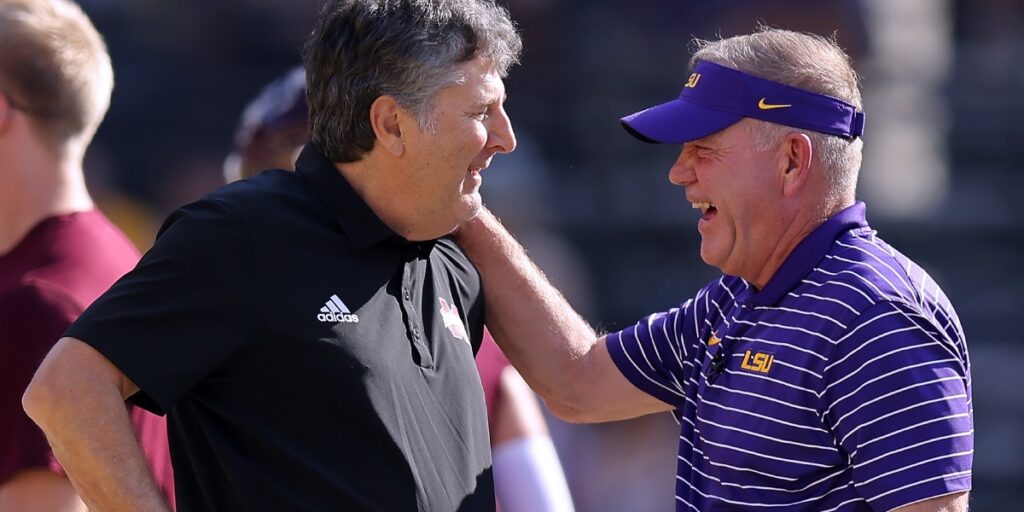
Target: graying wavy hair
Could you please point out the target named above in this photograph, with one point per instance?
(807, 61)
(407, 49)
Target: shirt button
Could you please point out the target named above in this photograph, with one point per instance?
(406, 294)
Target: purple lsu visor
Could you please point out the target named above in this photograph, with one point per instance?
(715, 97)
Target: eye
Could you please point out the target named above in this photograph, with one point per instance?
(703, 151)
(483, 114)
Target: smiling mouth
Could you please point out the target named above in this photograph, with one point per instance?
(707, 209)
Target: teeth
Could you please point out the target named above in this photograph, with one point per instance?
(702, 206)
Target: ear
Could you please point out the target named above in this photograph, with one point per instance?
(385, 118)
(795, 157)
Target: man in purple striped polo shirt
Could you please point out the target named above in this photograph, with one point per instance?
(824, 370)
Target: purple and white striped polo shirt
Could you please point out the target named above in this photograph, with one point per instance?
(843, 385)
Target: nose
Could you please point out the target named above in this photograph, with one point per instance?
(502, 138)
(681, 172)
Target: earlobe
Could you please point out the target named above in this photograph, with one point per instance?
(385, 119)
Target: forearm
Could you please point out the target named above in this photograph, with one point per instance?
(539, 332)
(82, 413)
(527, 473)
(955, 502)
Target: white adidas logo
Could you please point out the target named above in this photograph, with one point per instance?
(336, 311)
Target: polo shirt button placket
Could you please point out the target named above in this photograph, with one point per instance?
(422, 352)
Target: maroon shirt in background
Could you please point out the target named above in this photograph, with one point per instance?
(490, 361)
(46, 281)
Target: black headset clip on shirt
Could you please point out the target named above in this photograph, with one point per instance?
(717, 365)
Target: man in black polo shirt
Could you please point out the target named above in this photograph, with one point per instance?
(311, 334)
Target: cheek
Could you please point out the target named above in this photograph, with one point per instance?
(463, 146)
(754, 219)
(474, 137)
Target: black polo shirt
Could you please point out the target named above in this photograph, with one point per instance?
(307, 357)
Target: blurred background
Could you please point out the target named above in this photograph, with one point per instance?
(944, 93)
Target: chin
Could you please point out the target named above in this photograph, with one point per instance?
(465, 213)
(711, 259)
(475, 214)
(470, 207)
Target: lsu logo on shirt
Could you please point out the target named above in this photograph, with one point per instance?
(760, 362)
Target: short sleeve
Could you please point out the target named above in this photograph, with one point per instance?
(656, 353)
(898, 401)
(174, 319)
(32, 318)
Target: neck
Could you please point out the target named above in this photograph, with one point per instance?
(368, 178)
(392, 204)
(39, 185)
(805, 221)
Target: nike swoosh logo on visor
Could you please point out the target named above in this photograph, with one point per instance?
(769, 106)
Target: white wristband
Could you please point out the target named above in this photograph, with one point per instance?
(528, 476)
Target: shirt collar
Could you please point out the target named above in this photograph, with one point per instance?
(357, 220)
(808, 253)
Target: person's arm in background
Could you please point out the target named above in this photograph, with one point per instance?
(39, 490)
(528, 476)
(77, 397)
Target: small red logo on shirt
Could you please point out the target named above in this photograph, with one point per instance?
(452, 320)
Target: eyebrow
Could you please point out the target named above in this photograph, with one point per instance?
(487, 103)
(712, 139)
(499, 101)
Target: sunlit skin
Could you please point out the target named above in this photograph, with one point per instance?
(765, 201)
(424, 182)
(38, 178)
(470, 127)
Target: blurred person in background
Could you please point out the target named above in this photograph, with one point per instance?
(273, 129)
(824, 370)
(311, 334)
(528, 476)
(58, 253)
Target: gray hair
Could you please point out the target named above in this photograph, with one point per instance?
(407, 49)
(806, 61)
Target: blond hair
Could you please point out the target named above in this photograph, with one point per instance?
(55, 67)
(807, 61)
